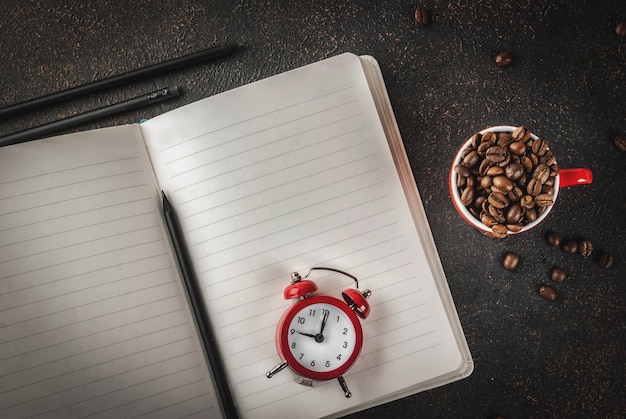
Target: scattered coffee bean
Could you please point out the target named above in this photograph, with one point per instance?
(422, 17)
(547, 291)
(585, 248)
(570, 247)
(620, 140)
(506, 178)
(554, 239)
(558, 275)
(620, 29)
(503, 59)
(510, 262)
(606, 260)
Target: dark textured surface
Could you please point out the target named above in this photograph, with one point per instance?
(534, 358)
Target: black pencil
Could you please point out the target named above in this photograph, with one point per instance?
(118, 80)
(199, 310)
(90, 116)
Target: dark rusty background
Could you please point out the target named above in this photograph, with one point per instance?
(534, 358)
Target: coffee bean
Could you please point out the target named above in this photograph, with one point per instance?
(503, 183)
(496, 213)
(620, 139)
(547, 291)
(533, 187)
(620, 29)
(514, 214)
(503, 59)
(461, 170)
(554, 239)
(514, 171)
(558, 275)
(489, 138)
(530, 215)
(521, 133)
(515, 228)
(544, 200)
(476, 140)
(507, 159)
(504, 139)
(549, 158)
(499, 231)
(527, 202)
(540, 147)
(487, 219)
(498, 200)
(467, 197)
(585, 248)
(606, 260)
(479, 200)
(510, 262)
(527, 163)
(494, 171)
(515, 194)
(547, 189)
(518, 148)
(496, 154)
(482, 148)
(471, 159)
(570, 247)
(541, 173)
(422, 17)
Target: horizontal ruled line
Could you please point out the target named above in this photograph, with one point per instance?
(263, 115)
(62, 201)
(70, 230)
(249, 149)
(84, 319)
(85, 273)
(90, 334)
(80, 243)
(274, 186)
(97, 348)
(68, 169)
(260, 162)
(90, 366)
(119, 249)
(72, 214)
(78, 182)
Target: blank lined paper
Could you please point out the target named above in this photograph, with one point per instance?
(93, 319)
(285, 174)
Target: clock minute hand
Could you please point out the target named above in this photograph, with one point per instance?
(326, 313)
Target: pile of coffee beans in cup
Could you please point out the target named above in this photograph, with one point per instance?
(506, 179)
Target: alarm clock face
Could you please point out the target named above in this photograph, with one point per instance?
(320, 337)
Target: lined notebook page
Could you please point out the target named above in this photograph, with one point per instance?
(93, 319)
(287, 173)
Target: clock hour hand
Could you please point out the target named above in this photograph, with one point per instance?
(306, 334)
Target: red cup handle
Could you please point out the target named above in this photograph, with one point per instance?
(575, 176)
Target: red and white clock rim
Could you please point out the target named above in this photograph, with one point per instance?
(282, 338)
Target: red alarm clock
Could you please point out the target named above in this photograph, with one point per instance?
(320, 337)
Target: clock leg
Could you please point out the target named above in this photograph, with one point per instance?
(344, 386)
(278, 368)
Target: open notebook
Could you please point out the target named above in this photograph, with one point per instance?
(302, 169)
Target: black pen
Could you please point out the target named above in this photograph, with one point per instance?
(90, 116)
(118, 80)
(199, 310)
